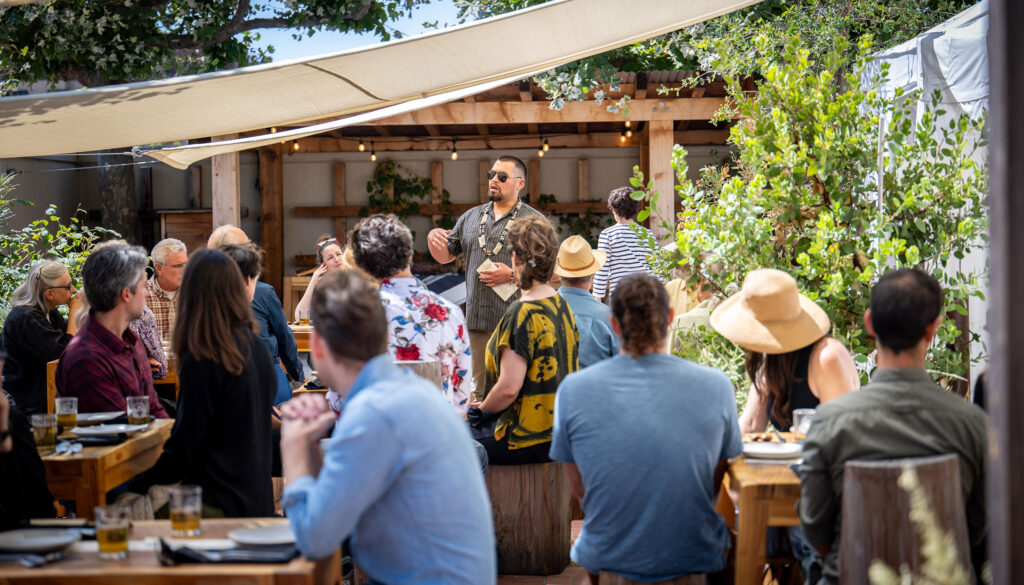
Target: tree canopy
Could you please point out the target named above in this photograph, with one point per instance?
(99, 42)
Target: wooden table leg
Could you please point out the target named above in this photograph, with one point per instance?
(753, 524)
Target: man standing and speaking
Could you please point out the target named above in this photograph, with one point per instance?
(481, 234)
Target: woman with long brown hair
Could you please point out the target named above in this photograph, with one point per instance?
(791, 360)
(221, 439)
(534, 346)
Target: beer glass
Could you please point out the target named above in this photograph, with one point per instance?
(186, 505)
(138, 410)
(67, 412)
(112, 532)
(44, 428)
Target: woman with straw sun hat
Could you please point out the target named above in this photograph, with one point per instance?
(791, 360)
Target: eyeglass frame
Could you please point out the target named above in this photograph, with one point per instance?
(66, 287)
(175, 266)
(492, 174)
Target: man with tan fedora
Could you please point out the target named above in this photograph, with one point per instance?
(577, 264)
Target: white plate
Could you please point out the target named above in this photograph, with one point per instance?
(276, 533)
(98, 417)
(106, 430)
(772, 450)
(37, 540)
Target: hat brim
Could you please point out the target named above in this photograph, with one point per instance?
(600, 257)
(737, 323)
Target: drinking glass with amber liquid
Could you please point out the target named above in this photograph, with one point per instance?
(138, 410)
(67, 412)
(112, 531)
(304, 318)
(186, 505)
(44, 430)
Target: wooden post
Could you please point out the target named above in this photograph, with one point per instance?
(436, 188)
(482, 167)
(340, 198)
(533, 180)
(226, 188)
(272, 218)
(583, 179)
(660, 160)
(195, 187)
(1005, 403)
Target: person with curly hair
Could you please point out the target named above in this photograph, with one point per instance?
(626, 253)
(535, 346)
(421, 324)
(668, 420)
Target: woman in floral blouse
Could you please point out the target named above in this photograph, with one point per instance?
(421, 324)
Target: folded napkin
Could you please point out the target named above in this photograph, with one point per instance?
(170, 555)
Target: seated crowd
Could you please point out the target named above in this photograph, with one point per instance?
(392, 464)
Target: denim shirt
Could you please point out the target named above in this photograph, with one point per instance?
(597, 341)
(401, 477)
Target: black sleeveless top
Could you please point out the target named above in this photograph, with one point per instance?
(800, 393)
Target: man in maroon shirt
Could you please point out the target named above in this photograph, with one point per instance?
(106, 362)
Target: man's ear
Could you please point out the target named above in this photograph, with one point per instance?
(932, 328)
(126, 294)
(317, 347)
(867, 323)
(616, 327)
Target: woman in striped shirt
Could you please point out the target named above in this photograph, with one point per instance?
(626, 253)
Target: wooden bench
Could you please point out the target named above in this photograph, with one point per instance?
(532, 522)
(876, 514)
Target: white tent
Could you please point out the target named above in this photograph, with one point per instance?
(439, 66)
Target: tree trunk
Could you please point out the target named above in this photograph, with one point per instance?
(117, 193)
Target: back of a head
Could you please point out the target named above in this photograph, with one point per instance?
(212, 307)
(622, 204)
(110, 269)
(347, 313)
(226, 234)
(535, 243)
(381, 245)
(904, 303)
(641, 306)
(247, 257)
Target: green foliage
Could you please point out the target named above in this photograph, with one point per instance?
(52, 238)
(397, 190)
(99, 42)
(802, 195)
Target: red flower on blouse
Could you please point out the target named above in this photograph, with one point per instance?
(407, 353)
(436, 312)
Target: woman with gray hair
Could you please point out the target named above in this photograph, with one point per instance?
(35, 332)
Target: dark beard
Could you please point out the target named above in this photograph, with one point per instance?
(494, 195)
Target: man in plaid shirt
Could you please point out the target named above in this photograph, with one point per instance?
(169, 257)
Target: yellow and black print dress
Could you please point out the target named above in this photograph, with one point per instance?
(544, 333)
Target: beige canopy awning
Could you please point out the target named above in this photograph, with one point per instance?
(415, 72)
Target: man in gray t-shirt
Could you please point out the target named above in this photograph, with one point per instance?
(481, 234)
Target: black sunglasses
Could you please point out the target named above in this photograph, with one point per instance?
(502, 176)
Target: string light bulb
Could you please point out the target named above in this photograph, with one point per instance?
(540, 150)
(273, 129)
(362, 147)
(629, 133)
(455, 152)
(545, 146)
(622, 137)
(627, 123)
(295, 145)
(373, 152)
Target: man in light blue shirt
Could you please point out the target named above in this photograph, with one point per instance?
(399, 473)
(576, 266)
(646, 414)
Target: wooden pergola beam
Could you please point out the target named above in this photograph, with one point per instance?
(271, 176)
(539, 113)
(454, 208)
(595, 140)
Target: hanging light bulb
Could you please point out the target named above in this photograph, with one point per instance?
(373, 152)
(540, 149)
(627, 123)
(455, 152)
(295, 145)
(622, 137)
(273, 129)
(545, 145)
(362, 147)
(629, 133)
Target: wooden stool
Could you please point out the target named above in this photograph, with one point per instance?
(531, 517)
(876, 514)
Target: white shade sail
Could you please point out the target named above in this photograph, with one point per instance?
(442, 65)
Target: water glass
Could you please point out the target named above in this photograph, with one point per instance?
(138, 410)
(67, 412)
(802, 419)
(112, 523)
(186, 506)
(44, 428)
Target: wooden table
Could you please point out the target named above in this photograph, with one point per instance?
(86, 477)
(767, 496)
(301, 333)
(171, 379)
(143, 567)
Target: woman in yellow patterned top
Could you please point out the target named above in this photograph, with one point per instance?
(534, 346)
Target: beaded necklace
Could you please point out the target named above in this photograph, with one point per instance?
(482, 237)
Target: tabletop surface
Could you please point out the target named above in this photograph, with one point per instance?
(158, 432)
